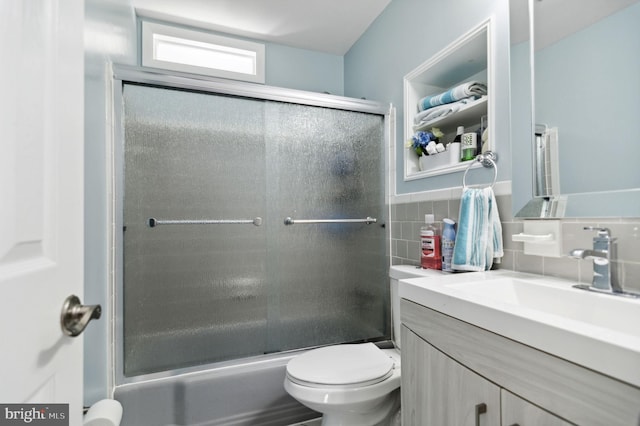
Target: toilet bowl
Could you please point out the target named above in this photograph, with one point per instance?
(354, 384)
(348, 384)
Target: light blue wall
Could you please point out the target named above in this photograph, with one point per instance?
(593, 100)
(521, 129)
(304, 69)
(408, 33)
(575, 98)
(110, 37)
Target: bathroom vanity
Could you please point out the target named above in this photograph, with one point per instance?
(509, 367)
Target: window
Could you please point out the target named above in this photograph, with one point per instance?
(180, 49)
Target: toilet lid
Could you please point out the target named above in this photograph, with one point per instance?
(362, 363)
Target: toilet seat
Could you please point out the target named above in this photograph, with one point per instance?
(352, 365)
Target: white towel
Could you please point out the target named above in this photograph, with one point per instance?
(430, 115)
(479, 236)
(435, 113)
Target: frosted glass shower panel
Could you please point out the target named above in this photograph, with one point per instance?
(193, 294)
(327, 164)
(197, 294)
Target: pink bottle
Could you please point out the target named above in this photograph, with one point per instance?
(430, 254)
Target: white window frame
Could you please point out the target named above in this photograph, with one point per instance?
(250, 54)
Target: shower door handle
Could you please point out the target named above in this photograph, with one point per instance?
(368, 220)
(153, 222)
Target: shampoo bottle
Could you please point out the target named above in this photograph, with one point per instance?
(468, 146)
(448, 241)
(430, 255)
(454, 149)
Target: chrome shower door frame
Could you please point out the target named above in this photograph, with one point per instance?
(122, 74)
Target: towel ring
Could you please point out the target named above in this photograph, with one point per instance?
(488, 159)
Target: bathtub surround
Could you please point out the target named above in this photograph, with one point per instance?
(407, 211)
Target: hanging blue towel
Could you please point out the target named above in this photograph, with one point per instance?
(479, 238)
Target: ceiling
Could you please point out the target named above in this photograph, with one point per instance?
(330, 26)
(556, 19)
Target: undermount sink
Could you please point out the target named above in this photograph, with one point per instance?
(598, 331)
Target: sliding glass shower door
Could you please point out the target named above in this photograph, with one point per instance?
(211, 271)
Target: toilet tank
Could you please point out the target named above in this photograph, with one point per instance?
(401, 272)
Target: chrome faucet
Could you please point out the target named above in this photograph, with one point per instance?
(605, 277)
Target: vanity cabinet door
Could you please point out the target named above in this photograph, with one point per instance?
(436, 390)
(562, 388)
(517, 411)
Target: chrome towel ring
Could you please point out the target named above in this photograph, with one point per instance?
(488, 159)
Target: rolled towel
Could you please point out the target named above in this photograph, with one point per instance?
(435, 113)
(440, 147)
(432, 114)
(454, 94)
(479, 237)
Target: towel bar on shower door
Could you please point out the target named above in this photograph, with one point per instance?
(368, 220)
(153, 222)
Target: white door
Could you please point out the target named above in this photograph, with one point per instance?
(41, 199)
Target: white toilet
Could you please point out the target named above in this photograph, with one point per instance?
(354, 384)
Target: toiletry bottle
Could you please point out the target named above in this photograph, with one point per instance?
(430, 257)
(468, 147)
(454, 147)
(448, 241)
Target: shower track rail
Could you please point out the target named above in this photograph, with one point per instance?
(368, 220)
(153, 222)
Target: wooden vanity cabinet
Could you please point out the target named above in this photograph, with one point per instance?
(457, 374)
(440, 391)
(517, 411)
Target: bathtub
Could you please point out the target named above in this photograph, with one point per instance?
(251, 393)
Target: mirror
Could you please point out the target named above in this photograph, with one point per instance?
(579, 82)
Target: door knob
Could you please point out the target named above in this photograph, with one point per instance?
(75, 316)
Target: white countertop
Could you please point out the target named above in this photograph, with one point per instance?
(597, 331)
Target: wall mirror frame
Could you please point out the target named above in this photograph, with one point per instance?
(590, 130)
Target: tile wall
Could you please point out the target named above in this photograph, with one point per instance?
(408, 217)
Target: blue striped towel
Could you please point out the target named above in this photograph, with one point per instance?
(479, 237)
(461, 91)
